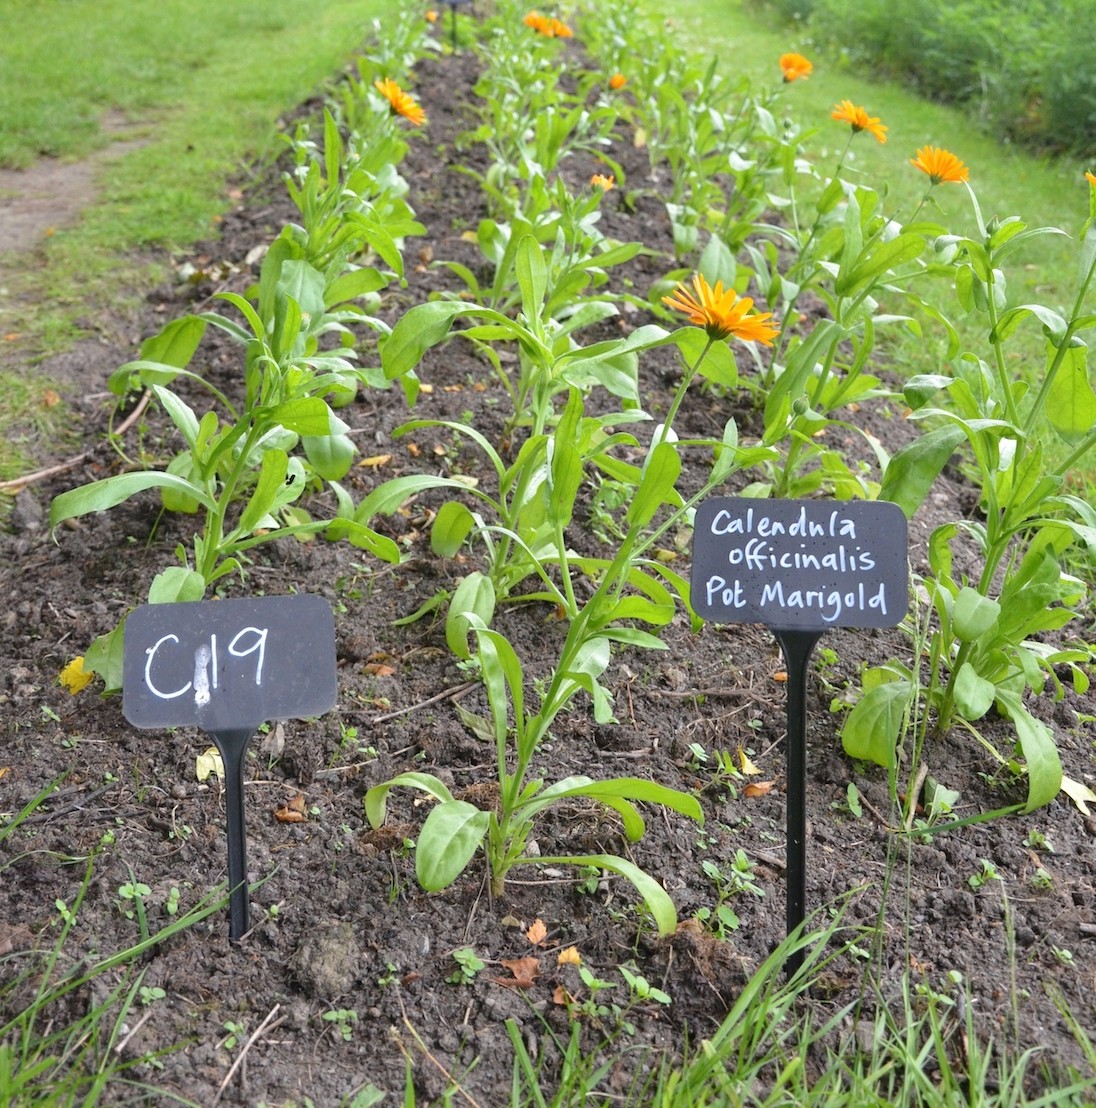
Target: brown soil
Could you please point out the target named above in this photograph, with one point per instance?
(339, 921)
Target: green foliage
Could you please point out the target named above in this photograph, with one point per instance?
(1023, 71)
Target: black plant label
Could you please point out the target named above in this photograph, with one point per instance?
(804, 565)
(227, 665)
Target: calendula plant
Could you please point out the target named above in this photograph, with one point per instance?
(240, 468)
(984, 649)
(628, 587)
(855, 258)
(522, 521)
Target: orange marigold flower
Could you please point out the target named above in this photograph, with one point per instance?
(848, 112)
(431, 16)
(547, 26)
(617, 81)
(722, 314)
(603, 182)
(402, 103)
(1091, 178)
(940, 165)
(795, 66)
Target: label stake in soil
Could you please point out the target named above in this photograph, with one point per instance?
(228, 667)
(800, 567)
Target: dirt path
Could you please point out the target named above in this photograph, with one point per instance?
(53, 192)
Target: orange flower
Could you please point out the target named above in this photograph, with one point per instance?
(402, 103)
(940, 165)
(722, 314)
(617, 81)
(600, 181)
(431, 16)
(848, 112)
(1091, 178)
(794, 67)
(547, 26)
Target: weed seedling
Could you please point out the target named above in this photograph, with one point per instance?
(343, 1020)
(236, 1031)
(987, 873)
(1036, 840)
(468, 965)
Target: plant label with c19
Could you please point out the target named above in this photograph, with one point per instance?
(229, 664)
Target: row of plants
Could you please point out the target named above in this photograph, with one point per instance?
(749, 215)
(752, 221)
(1015, 70)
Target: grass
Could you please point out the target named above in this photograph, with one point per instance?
(202, 86)
(48, 1054)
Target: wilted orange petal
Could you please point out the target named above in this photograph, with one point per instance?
(537, 932)
(758, 788)
(569, 957)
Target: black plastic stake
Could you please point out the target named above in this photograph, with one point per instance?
(233, 748)
(796, 647)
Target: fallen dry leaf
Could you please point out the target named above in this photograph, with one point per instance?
(296, 811)
(524, 970)
(758, 788)
(536, 932)
(374, 461)
(569, 957)
(562, 997)
(414, 449)
(378, 669)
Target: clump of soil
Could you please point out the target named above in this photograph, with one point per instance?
(349, 968)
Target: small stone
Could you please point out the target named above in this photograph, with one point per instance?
(26, 513)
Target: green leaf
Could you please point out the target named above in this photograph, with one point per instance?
(387, 498)
(974, 695)
(532, 276)
(872, 729)
(352, 285)
(100, 496)
(170, 350)
(973, 615)
(1070, 402)
(1044, 767)
(448, 839)
(475, 595)
(330, 456)
(910, 472)
(654, 896)
(452, 525)
(884, 258)
(307, 415)
(272, 474)
(656, 486)
(106, 657)
(376, 799)
(176, 585)
(417, 331)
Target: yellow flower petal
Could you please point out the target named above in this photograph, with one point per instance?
(75, 677)
(569, 957)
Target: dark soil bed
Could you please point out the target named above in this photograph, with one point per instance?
(339, 921)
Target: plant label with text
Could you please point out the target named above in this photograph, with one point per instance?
(805, 565)
(223, 665)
